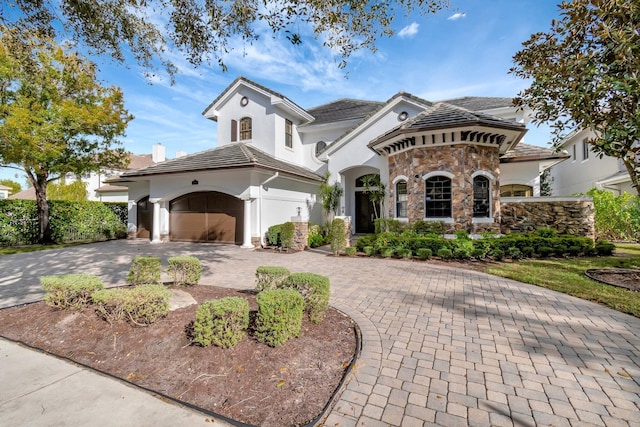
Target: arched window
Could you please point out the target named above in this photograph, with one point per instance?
(245, 128)
(516, 190)
(401, 199)
(320, 146)
(438, 197)
(481, 197)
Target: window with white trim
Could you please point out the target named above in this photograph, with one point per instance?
(585, 149)
(481, 197)
(288, 133)
(438, 197)
(401, 199)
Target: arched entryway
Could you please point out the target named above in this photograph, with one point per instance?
(144, 218)
(206, 217)
(366, 211)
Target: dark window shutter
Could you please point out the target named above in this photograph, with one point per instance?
(234, 131)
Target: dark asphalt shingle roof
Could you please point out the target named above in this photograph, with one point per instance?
(442, 116)
(343, 109)
(231, 156)
(479, 103)
(522, 152)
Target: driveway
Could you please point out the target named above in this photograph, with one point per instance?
(441, 346)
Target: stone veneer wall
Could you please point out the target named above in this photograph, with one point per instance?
(301, 235)
(567, 215)
(461, 160)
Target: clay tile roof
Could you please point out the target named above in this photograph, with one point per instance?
(525, 152)
(231, 156)
(479, 103)
(343, 109)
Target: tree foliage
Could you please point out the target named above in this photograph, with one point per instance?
(204, 30)
(330, 195)
(15, 186)
(377, 192)
(55, 118)
(585, 74)
(77, 190)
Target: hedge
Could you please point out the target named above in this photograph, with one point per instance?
(69, 221)
(140, 305)
(184, 270)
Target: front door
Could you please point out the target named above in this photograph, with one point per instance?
(365, 214)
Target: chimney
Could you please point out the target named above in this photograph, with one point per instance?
(180, 153)
(158, 153)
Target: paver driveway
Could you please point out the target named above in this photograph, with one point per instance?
(441, 346)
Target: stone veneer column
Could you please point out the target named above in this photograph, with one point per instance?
(347, 230)
(301, 234)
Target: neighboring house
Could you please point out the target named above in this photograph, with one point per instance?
(584, 170)
(97, 189)
(4, 191)
(447, 161)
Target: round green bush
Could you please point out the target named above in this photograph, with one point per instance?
(514, 253)
(604, 248)
(445, 253)
(545, 251)
(387, 251)
(350, 251)
(497, 254)
(369, 250)
(279, 316)
(424, 253)
(404, 253)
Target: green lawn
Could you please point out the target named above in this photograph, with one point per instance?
(567, 276)
(34, 248)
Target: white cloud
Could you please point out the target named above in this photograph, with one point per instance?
(457, 16)
(409, 31)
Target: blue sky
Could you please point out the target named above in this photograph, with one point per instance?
(466, 50)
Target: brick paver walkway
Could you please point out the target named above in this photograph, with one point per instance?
(441, 346)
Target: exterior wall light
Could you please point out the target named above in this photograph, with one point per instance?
(194, 182)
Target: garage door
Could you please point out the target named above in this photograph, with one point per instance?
(207, 217)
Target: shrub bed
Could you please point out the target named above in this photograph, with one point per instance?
(279, 316)
(222, 322)
(140, 305)
(70, 291)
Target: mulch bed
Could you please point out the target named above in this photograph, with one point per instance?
(252, 383)
(622, 277)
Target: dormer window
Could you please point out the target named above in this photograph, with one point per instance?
(245, 128)
(320, 146)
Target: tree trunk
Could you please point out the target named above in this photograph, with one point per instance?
(635, 180)
(39, 183)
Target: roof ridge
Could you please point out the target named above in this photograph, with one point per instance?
(247, 152)
(344, 99)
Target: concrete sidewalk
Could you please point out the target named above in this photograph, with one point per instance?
(441, 346)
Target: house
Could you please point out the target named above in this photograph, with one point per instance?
(584, 170)
(448, 161)
(4, 191)
(97, 188)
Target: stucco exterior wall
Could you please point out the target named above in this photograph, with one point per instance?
(524, 173)
(567, 215)
(460, 162)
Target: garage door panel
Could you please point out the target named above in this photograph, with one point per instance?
(207, 217)
(188, 226)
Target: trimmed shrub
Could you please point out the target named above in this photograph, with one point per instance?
(273, 235)
(528, 251)
(279, 316)
(270, 276)
(574, 250)
(461, 235)
(140, 305)
(478, 253)
(445, 253)
(316, 292)
(368, 240)
(145, 270)
(222, 322)
(404, 253)
(429, 227)
(338, 235)
(546, 232)
(497, 254)
(514, 253)
(604, 248)
(287, 232)
(545, 251)
(184, 270)
(369, 250)
(388, 225)
(70, 291)
(462, 247)
(424, 253)
(350, 251)
(315, 238)
(387, 251)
